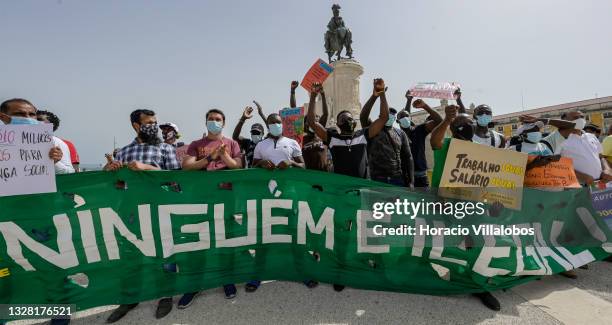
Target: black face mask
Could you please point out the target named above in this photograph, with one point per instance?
(347, 126)
(149, 134)
(463, 132)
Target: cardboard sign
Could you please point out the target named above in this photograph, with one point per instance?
(25, 166)
(555, 174)
(481, 173)
(293, 123)
(440, 90)
(317, 73)
(602, 203)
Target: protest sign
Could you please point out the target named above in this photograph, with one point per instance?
(602, 203)
(157, 235)
(293, 123)
(440, 90)
(319, 71)
(478, 173)
(25, 166)
(554, 174)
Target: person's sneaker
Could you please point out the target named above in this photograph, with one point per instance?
(338, 287)
(608, 259)
(488, 300)
(251, 286)
(118, 313)
(230, 291)
(569, 274)
(311, 283)
(584, 267)
(163, 308)
(56, 321)
(186, 300)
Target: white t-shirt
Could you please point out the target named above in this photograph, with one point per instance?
(584, 151)
(277, 150)
(556, 141)
(63, 166)
(487, 141)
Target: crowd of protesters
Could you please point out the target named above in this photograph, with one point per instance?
(389, 149)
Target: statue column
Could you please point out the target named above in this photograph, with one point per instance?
(342, 90)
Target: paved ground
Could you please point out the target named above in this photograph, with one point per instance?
(554, 300)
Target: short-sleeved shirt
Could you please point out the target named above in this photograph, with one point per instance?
(181, 152)
(439, 160)
(162, 155)
(277, 150)
(555, 140)
(349, 152)
(417, 136)
(607, 148)
(385, 153)
(584, 150)
(200, 149)
(74, 155)
(492, 136)
(314, 152)
(248, 149)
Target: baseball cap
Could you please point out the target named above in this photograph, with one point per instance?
(257, 127)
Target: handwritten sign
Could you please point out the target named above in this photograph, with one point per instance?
(481, 173)
(440, 90)
(293, 123)
(602, 203)
(317, 73)
(25, 166)
(554, 174)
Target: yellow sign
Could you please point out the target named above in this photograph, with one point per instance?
(481, 173)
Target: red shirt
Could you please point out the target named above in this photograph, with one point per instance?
(204, 147)
(74, 155)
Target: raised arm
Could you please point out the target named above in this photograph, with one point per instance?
(383, 116)
(325, 116)
(435, 116)
(459, 101)
(437, 135)
(364, 116)
(319, 129)
(260, 112)
(408, 101)
(294, 84)
(247, 114)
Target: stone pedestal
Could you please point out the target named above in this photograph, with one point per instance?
(342, 90)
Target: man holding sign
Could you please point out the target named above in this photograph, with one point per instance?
(20, 111)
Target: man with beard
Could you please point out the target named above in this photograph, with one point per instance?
(146, 152)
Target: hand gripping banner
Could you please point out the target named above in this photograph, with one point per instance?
(123, 237)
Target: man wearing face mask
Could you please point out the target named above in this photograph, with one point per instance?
(170, 134)
(389, 156)
(20, 111)
(483, 115)
(531, 136)
(146, 152)
(314, 150)
(417, 135)
(586, 152)
(257, 134)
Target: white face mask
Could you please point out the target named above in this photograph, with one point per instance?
(580, 123)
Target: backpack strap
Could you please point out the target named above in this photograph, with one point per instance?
(519, 147)
(492, 136)
(548, 145)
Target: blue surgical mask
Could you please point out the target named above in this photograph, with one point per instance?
(256, 137)
(18, 120)
(534, 137)
(405, 122)
(276, 129)
(391, 120)
(484, 119)
(214, 127)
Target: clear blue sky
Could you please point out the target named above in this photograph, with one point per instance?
(93, 62)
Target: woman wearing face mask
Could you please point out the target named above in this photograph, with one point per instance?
(531, 137)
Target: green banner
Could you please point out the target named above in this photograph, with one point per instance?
(122, 237)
